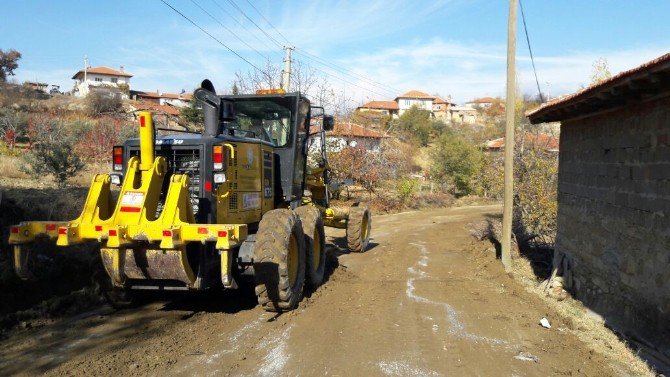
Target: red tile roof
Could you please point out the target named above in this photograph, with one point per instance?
(355, 130)
(607, 93)
(383, 105)
(440, 101)
(165, 109)
(545, 141)
(102, 71)
(416, 94)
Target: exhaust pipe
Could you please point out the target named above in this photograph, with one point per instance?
(215, 109)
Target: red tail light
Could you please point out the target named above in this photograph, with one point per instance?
(217, 157)
(117, 159)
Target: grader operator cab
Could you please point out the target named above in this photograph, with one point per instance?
(237, 202)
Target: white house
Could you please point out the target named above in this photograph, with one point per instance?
(484, 102)
(423, 101)
(347, 134)
(100, 77)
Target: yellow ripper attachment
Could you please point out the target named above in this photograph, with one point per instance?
(134, 242)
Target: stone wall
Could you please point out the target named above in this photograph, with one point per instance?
(614, 215)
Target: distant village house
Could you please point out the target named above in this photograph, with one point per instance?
(93, 78)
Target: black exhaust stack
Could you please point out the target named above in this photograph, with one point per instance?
(215, 109)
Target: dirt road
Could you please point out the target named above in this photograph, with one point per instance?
(418, 303)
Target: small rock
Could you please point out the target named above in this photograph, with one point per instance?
(525, 356)
(24, 325)
(545, 323)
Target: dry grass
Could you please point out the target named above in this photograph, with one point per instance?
(588, 328)
(10, 168)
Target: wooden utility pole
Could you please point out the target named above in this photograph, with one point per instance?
(506, 241)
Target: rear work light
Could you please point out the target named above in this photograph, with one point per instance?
(217, 157)
(117, 159)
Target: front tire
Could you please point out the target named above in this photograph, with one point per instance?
(359, 225)
(279, 260)
(315, 243)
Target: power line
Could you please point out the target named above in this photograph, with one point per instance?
(345, 81)
(230, 31)
(312, 56)
(532, 60)
(271, 49)
(268, 21)
(214, 38)
(347, 72)
(253, 22)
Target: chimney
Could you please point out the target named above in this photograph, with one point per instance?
(121, 68)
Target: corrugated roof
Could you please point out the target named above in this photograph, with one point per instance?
(102, 71)
(383, 105)
(646, 80)
(545, 141)
(416, 94)
(182, 96)
(483, 100)
(355, 130)
(154, 107)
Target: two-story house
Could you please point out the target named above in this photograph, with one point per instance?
(101, 77)
(421, 100)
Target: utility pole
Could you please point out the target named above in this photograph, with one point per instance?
(506, 241)
(286, 73)
(85, 66)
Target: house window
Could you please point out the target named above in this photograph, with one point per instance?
(98, 79)
(115, 80)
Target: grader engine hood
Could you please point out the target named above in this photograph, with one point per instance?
(145, 233)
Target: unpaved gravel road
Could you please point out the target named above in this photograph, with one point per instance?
(418, 303)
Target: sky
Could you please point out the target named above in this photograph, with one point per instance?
(453, 48)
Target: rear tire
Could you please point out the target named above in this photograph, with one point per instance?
(315, 243)
(279, 260)
(359, 225)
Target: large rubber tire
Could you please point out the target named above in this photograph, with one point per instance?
(315, 243)
(279, 260)
(359, 225)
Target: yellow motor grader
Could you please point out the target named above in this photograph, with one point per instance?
(199, 210)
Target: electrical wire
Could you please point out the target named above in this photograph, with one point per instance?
(268, 21)
(270, 48)
(530, 50)
(317, 59)
(232, 2)
(347, 72)
(216, 39)
(230, 31)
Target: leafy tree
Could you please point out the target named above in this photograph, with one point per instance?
(8, 63)
(415, 124)
(192, 113)
(456, 161)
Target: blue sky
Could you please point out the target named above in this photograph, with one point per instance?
(454, 48)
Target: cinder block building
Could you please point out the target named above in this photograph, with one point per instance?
(614, 198)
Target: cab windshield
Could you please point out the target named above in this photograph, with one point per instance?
(265, 119)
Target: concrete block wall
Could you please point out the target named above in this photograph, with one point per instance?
(614, 215)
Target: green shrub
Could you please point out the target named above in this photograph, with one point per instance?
(53, 152)
(407, 188)
(457, 162)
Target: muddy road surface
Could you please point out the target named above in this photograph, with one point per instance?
(417, 303)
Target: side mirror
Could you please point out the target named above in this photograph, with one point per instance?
(328, 122)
